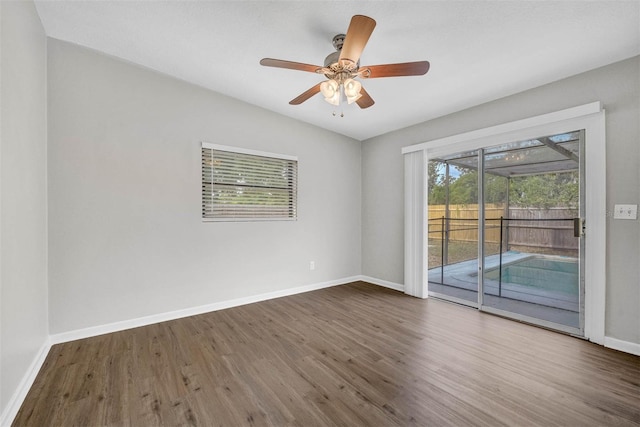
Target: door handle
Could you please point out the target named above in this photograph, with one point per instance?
(578, 227)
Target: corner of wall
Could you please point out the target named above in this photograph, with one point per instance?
(24, 329)
(15, 402)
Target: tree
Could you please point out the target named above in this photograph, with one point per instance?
(435, 183)
(559, 189)
(556, 189)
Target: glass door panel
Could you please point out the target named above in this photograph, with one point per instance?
(531, 254)
(453, 228)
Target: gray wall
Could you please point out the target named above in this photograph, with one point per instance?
(23, 199)
(617, 86)
(125, 235)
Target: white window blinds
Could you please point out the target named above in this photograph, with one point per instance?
(240, 184)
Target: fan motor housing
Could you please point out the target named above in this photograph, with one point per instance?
(338, 41)
(332, 58)
(331, 61)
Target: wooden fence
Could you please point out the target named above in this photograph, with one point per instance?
(530, 227)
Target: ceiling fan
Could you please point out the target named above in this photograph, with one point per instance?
(341, 68)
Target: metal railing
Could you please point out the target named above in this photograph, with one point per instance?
(504, 226)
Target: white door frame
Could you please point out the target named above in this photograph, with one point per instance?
(591, 118)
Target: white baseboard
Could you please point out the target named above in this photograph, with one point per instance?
(192, 311)
(10, 412)
(626, 346)
(385, 283)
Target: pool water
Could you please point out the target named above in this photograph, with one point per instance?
(544, 273)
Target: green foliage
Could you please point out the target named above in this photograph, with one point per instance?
(549, 190)
(435, 183)
(464, 189)
(560, 189)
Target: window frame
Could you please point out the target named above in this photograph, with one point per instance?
(238, 150)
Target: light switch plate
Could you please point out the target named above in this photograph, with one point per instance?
(625, 212)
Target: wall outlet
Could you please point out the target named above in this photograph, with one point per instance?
(625, 212)
(312, 265)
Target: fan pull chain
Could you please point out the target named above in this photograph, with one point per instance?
(342, 100)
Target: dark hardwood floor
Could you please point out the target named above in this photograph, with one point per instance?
(350, 355)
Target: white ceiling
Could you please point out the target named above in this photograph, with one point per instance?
(479, 50)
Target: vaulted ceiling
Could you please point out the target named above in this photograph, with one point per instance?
(479, 50)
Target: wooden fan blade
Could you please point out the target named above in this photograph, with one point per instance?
(305, 95)
(279, 63)
(396, 70)
(365, 101)
(358, 34)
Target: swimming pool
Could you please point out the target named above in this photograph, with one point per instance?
(557, 274)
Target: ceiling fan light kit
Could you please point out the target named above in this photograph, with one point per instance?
(352, 90)
(341, 68)
(331, 91)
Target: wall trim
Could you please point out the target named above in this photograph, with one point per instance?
(383, 283)
(620, 345)
(192, 311)
(13, 406)
(556, 116)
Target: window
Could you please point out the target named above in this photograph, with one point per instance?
(246, 185)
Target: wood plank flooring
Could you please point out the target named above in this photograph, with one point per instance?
(349, 355)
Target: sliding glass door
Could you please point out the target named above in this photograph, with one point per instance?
(505, 230)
